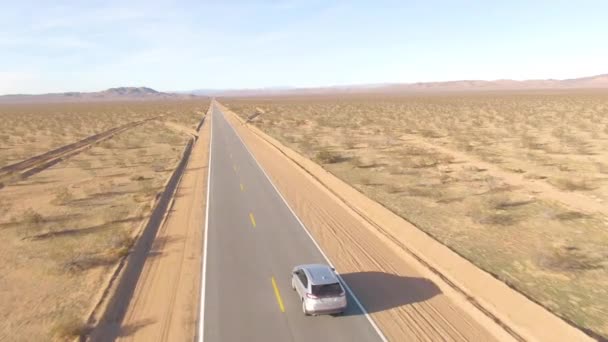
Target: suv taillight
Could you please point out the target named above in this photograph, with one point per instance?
(311, 296)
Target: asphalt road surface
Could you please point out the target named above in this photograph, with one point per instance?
(252, 244)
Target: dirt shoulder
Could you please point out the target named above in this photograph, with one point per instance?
(164, 306)
(374, 239)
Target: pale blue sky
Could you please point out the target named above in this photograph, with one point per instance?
(50, 46)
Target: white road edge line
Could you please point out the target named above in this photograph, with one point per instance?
(201, 321)
(371, 321)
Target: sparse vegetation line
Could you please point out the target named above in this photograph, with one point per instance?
(33, 165)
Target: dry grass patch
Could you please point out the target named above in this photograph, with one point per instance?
(330, 157)
(574, 184)
(571, 259)
(70, 327)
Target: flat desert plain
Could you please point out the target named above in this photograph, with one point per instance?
(64, 228)
(515, 182)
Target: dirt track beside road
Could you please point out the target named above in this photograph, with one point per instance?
(165, 303)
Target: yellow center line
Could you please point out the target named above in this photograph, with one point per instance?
(242, 188)
(252, 219)
(277, 294)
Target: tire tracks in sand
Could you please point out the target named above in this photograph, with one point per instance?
(36, 164)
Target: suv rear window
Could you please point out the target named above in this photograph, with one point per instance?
(326, 290)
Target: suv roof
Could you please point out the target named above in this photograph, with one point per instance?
(320, 274)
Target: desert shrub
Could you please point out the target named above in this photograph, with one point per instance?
(5, 207)
(121, 163)
(329, 157)
(504, 202)
(147, 187)
(79, 262)
(121, 243)
(396, 170)
(531, 142)
(429, 133)
(133, 143)
(423, 162)
(394, 189)
(70, 327)
(173, 139)
(486, 214)
(369, 181)
(352, 144)
(108, 144)
(573, 184)
(496, 185)
(159, 166)
(141, 152)
(570, 259)
(365, 163)
(423, 191)
(570, 215)
(32, 223)
(499, 219)
(84, 164)
(414, 151)
(108, 186)
(534, 176)
(62, 196)
(115, 215)
(558, 132)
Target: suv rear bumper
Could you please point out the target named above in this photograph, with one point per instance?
(327, 311)
(315, 308)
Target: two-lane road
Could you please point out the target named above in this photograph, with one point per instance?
(252, 243)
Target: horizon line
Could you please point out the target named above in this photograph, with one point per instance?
(296, 87)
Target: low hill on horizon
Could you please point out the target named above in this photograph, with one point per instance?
(592, 82)
(111, 94)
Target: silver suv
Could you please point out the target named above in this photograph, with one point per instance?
(319, 289)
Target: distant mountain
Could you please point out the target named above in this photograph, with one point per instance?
(224, 92)
(143, 93)
(131, 91)
(593, 82)
(112, 94)
(599, 81)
